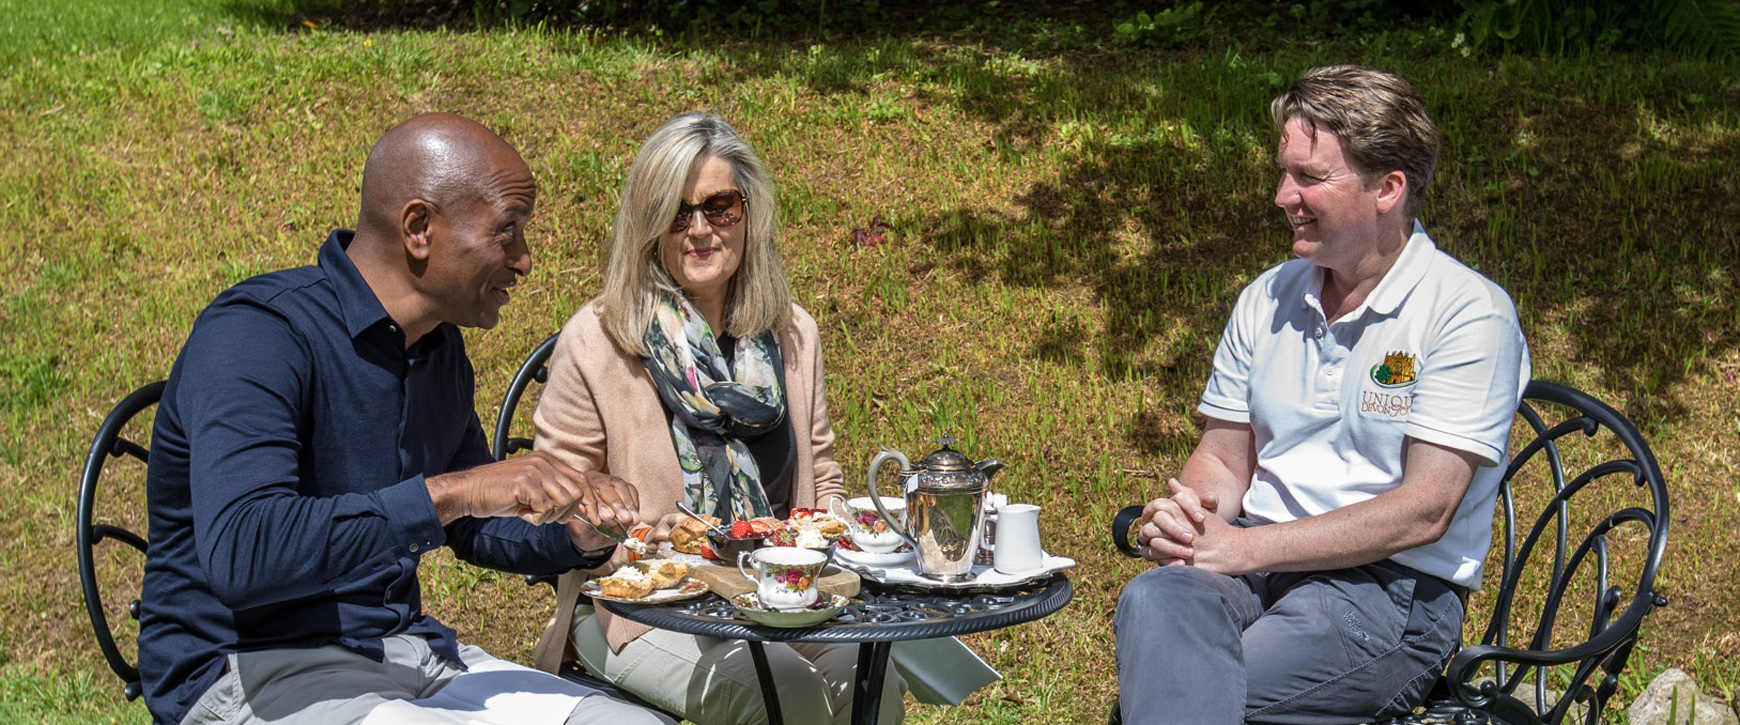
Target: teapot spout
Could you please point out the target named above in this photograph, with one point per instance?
(989, 467)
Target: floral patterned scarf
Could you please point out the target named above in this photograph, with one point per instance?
(715, 406)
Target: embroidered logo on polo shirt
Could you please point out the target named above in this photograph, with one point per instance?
(1396, 371)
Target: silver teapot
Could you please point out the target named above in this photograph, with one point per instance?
(945, 495)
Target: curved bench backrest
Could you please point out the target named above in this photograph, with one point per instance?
(536, 369)
(1576, 579)
(110, 442)
(1573, 581)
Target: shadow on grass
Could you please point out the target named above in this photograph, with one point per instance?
(1605, 214)
(1603, 211)
(354, 15)
(792, 19)
(1599, 193)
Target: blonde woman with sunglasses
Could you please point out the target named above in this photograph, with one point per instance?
(695, 377)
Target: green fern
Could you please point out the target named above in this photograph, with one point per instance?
(1697, 28)
(1705, 28)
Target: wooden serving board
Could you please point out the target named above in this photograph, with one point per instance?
(727, 583)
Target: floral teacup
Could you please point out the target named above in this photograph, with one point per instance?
(869, 532)
(785, 576)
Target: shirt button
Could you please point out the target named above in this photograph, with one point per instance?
(1320, 332)
(413, 548)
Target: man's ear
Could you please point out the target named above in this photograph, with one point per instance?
(414, 221)
(1392, 191)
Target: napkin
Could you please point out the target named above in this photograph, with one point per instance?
(940, 671)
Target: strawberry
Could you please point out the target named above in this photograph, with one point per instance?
(740, 529)
(707, 552)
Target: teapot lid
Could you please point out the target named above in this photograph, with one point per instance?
(945, 459)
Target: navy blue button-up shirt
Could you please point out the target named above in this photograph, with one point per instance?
(286, 487)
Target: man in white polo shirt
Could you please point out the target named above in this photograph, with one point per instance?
(1317, 545)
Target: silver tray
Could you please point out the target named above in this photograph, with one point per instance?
(984, 577)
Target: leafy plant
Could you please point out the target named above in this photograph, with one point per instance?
(1700, 28)
(1349, 16)
(872, 234)
(1168, 28)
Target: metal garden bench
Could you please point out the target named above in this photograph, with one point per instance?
(112, 441)
(115, 440)
(1573, 592)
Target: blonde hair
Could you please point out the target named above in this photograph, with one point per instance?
(1380, 120)
(758, 298)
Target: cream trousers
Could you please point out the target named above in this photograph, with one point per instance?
(712, 681)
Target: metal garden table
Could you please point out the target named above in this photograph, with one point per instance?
(877, 617)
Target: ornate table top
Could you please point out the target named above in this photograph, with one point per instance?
(877, 614)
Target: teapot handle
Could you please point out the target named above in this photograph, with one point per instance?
(876, 496)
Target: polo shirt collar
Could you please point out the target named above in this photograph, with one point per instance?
(357, 302)
(1405, 275)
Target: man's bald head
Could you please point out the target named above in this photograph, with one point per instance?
(441, 235)
(440, 158)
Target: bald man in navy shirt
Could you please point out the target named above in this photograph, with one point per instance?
(317, 436)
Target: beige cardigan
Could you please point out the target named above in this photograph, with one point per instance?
(600, 411)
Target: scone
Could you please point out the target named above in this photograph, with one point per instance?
(665, 572)
(829, 525)
(629, 582)
(688, 537)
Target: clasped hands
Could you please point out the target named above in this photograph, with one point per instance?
(1184, 529)
(539, 489)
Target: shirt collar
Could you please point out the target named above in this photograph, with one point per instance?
(362, 310)
(1405, 275)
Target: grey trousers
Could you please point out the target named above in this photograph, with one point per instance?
(333, 686)
(1316, 648)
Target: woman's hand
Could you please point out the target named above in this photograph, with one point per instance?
(661, 530)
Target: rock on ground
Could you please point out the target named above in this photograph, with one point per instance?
(1691, 707)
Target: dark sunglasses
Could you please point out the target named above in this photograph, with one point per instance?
(722, 209)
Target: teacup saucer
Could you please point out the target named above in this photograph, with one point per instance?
(827, 607)
(865, 558)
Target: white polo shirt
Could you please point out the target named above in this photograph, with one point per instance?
(1434, 353)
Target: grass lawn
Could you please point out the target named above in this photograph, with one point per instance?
(1070, 222)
